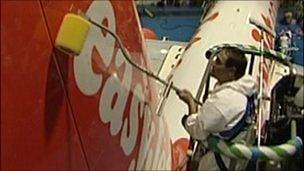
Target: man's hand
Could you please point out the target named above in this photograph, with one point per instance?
(187, 97)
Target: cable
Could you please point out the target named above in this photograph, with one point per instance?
(128, 58)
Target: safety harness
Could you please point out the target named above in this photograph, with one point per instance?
(232, 133)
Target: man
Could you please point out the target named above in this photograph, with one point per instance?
(289, 24)
(224, 107)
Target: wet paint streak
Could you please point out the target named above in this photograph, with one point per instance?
(212, 17)
(193, 40)
(105, 22)
(267, 21)
(256, 35)
(98, 64)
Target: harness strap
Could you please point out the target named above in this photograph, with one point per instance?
(220, 162)
(235, 130)
(232, 133)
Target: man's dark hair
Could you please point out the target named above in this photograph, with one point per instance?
(237, 59)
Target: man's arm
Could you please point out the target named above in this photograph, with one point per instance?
(192, 107)
(199, 124)
(187, 97)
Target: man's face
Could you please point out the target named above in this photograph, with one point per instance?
(288, 17)
(219, 69)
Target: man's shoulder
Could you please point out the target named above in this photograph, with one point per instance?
(228, 95)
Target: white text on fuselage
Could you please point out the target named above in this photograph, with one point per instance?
(123, 102)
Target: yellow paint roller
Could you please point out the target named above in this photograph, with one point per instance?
(72, 35)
